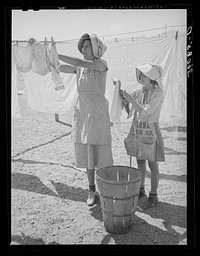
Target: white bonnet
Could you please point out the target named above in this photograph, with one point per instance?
(151, 70)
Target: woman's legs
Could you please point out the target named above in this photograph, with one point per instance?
(91, 176)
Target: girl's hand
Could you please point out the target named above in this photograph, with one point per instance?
(128, 96)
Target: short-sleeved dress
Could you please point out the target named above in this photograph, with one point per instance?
(91, 130)
(152, 104)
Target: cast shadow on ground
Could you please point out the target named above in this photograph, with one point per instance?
(145, 232)
(28, 161)
(42, 144)
(170, 151)
(175, 138)
(61, 122)
(34, 184)
(30, 183)
(27, 240)
(175, 128)
(69, 192)
(180, 178)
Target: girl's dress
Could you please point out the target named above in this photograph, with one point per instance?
(152, 103)
(91, 130)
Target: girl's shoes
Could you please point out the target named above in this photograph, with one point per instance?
(91, 198)
(152, 200)
(142, 192)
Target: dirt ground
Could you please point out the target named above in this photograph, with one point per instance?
(48, 197)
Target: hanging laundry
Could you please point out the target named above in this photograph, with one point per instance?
(15, 110)
(40, 61)
(54, 60)
(23, 57)
(116, 110)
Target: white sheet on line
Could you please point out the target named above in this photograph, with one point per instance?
(122, 57)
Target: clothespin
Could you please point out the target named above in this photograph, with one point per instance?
(176, 35)
(17, 42)
(45, 40)
(52, 40)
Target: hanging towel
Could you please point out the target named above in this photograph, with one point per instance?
(116, 111)
(53, 58)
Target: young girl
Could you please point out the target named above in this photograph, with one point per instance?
(91, 122)
(148, 101)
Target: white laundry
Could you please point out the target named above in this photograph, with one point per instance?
(123, 57)
(42, 96)
(15, 110)
(23, 57)
(40, 61)
(115, 110)
(53, 58)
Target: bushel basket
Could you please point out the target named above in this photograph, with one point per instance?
(119, 188)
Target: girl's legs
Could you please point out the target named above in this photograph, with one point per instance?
(153, 199)
(142, 169)
(154, 176)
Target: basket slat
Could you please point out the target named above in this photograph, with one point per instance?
(119, 207)
(123, 176)
(119, 225)
(133, 188)
(128, 206)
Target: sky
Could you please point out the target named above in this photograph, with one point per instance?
(72, 24)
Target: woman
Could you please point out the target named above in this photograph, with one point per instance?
(91, 131)
(148, 102)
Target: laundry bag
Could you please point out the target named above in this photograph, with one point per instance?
(119, 189)
(141, 140)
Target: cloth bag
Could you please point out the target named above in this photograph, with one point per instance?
(141, 140)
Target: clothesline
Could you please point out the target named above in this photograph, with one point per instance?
(69, 40)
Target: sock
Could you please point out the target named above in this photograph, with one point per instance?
(153, 194)
(92, 188)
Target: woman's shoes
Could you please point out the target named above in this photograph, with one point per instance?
(91, 198)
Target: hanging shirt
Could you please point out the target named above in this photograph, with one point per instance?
(40, 61)
(23, 57)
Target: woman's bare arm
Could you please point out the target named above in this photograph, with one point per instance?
(97, 65)
(68, 69)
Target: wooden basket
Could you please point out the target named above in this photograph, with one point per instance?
(119, 189)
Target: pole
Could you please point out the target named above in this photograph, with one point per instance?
(165, 30)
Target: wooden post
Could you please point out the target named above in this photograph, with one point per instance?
(56, 117)
(176, 35)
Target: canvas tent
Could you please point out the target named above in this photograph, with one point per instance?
(122, 56)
